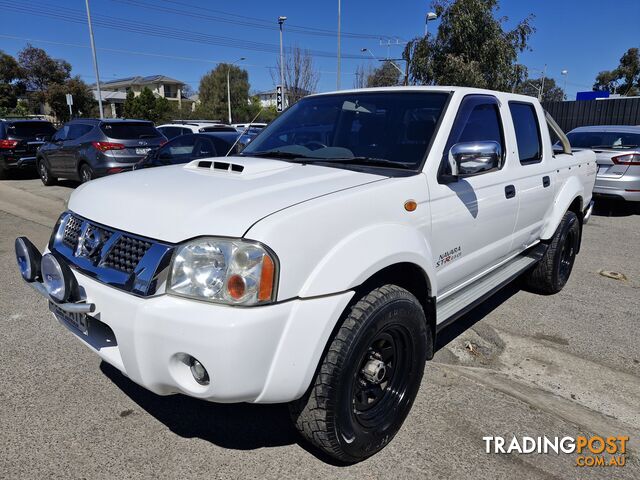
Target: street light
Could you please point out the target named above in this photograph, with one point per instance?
(382, 60)
(430, 17)
(281, 23)
(229, 86)
(565, 74)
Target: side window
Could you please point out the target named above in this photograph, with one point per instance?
(77, 130)
(178, 150)
(204, 148)
(61, 134)
(185, 131)
(478, 120)
(525, 123)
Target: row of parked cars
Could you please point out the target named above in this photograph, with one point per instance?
(86, 148)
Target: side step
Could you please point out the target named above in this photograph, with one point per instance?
(456, 305)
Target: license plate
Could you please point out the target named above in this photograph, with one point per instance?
(142, 151)
(79, 321)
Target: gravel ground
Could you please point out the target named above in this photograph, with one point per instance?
(520, 364)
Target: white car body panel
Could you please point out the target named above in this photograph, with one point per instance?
(331, 230)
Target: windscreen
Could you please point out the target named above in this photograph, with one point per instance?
(609, 140)
(389, 129)
(30, 129)
(130, 130)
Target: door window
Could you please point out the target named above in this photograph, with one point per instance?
(478, 120)
(525, 123)
(77, 130)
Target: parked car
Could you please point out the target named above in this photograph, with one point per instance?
(85, 148)
(317, 267)
(255, 125)
(172, 130)
(186, 148)
(19, 142)
(617, 150)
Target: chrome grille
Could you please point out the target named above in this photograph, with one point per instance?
(122, 260)
(126, 254)
(72, 231)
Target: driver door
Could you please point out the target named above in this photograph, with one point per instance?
(473, 218)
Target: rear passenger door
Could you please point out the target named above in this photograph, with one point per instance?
(473, 217)
(533, 174)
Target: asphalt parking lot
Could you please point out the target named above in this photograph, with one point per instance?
(521, 364)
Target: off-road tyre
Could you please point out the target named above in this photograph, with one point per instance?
(345, 415)
(551, 274)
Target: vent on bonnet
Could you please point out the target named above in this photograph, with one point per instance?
(229, 167)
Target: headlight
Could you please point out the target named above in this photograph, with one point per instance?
(235, 272)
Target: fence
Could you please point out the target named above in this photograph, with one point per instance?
(618, 111)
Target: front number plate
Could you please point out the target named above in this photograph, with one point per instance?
(79, 321)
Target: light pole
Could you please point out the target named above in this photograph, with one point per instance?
(565, 74)
(229, 86)
(95, 60)
(429, 17)
(338, 76)
(281, 23)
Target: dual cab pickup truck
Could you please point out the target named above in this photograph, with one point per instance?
(317, 267)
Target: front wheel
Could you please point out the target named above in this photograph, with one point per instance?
(552, 272)
(368, 378)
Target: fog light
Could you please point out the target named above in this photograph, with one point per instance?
(28, 258)
(199, 372)
(57, 278)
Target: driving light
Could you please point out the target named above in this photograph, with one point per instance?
(28, 258)
(57, 278)
(198, 371)
(235, 272)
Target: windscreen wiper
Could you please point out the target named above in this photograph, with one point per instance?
(382, 162)
(276, 154)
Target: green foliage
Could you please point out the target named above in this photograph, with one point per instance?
(147, 106)
(84, 105)
(551, 93)
(11, 81)
(471, 48)
(41, 71)
(625, 79)
(386, 75)
(213, 93)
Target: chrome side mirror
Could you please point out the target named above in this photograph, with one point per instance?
(473, 158)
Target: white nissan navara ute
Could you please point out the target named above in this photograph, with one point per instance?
(317, 267)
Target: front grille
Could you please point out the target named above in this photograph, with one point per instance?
(72, 231)
(126, 254)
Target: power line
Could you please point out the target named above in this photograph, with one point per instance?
(143, 28)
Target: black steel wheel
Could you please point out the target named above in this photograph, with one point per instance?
(552, 272)
(369, 377)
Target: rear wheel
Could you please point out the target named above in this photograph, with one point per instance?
(45, 174)
(368, 378)
(551, 274)
(86, 173)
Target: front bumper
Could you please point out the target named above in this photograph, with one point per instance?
(627, 186)
(265, 354)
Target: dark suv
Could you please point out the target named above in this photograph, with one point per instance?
(88, 148)
(19, 142)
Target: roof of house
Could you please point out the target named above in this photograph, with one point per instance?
(137, 80)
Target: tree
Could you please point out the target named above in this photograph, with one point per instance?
(11, 82)
(40, 71)
(146, 106)
(213, 92)
(84, 105)
(386, 75)
(551, 93)
(471, 47)
(625, 79)
(300, 75)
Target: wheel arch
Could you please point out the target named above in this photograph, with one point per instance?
(569, 198)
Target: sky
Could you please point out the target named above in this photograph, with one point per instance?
(184, 39)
